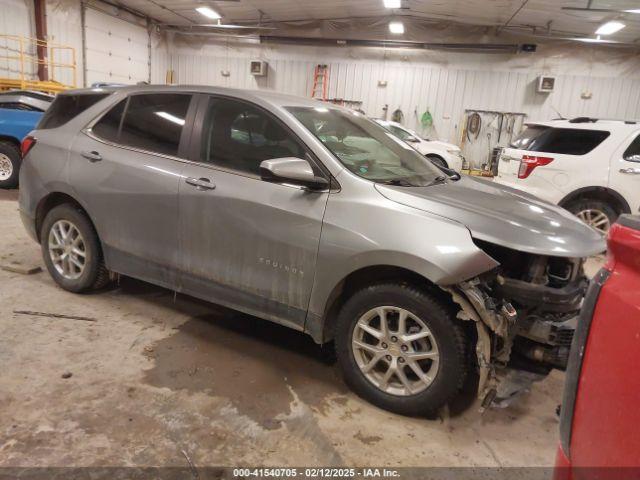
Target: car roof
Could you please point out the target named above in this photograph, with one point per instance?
(274, 98)
(585, 123)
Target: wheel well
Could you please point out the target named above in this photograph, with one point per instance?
(438, 157)
(607, 195)
(370, 276)
(14, 140)
(51, 201)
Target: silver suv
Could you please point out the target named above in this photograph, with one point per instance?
(314, 217)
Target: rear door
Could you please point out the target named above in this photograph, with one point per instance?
(126, 168)
(246, 243)
(624, 176)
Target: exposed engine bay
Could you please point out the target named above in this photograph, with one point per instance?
(525, 312)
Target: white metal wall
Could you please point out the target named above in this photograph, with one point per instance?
(446, 92)
(64, 26)
(16, 18)
(116, 50)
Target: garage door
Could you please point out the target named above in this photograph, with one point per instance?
(116, 50)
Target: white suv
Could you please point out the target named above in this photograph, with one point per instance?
(590, 167)
(441, 153)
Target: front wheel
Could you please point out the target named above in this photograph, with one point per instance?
(401, 349)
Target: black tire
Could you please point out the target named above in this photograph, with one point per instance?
(12, 152)
(94, 275)
(585, 204)
(438, 161)
(448, 334)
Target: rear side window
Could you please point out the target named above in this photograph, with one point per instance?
(66, 107)
(152, 122)
(632, 153)
(567, 141)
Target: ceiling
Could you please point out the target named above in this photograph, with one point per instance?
(547, 16)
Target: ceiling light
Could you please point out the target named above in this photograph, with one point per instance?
(208, 12)
(609, 28)
(633, 10)
(392, 3)
(396, 27)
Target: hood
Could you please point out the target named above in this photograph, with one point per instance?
(442, 145)
(503, 215)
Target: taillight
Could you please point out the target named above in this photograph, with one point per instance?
(530, 162)
(27, 144)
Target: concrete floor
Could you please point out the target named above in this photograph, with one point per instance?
(153, 376)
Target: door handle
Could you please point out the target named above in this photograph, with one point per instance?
(201, 183)
(92, 156)
(630, 171)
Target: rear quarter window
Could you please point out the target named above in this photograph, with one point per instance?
(67, 107)
(567, 141)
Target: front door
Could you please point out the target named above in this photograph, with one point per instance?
(246, 243)
(624, 176)
(126, 168)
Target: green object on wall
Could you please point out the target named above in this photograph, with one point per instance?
(427, 119)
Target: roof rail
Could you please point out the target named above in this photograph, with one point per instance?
(583, 120)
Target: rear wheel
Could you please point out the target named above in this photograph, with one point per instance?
(71, 250)
(400, 349)
(598, 214)
(10, 160)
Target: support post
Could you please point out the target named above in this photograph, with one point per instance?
(40, 10)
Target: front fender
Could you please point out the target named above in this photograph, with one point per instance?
(369, 230)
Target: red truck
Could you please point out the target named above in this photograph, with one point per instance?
(600, 414)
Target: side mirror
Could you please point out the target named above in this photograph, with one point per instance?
(412, 140)
(295, 171)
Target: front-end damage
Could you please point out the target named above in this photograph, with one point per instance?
(525, 313)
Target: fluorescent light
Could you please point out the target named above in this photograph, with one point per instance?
(392, 3)
(396, 27)
(208, 12)
(609, 28)
(171, 118)
(634, 10)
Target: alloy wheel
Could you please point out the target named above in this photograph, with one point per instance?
(596, 219)
(6, 167)
(67, 249)
(395, 350)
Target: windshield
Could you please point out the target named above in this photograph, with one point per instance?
(366, 148)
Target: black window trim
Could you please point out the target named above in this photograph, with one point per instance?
(184, 136)
(196, 141)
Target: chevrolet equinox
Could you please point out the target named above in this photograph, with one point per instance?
(314, 217)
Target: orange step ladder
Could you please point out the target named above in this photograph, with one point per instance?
(320, 81)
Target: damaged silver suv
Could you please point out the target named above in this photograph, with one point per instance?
(314, 217)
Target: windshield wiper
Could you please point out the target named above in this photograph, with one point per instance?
(400, 182)
(437, 180)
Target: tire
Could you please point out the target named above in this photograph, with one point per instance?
(593, 213)
(450, 342)
(438, 161)
(93, 274)
(10, 160)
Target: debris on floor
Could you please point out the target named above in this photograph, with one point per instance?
(17, 267)
(54, 315)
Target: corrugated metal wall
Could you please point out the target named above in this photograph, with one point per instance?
(16, 18)
(445, 92)
(64, 26)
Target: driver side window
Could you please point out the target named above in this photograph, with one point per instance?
(238, 136)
